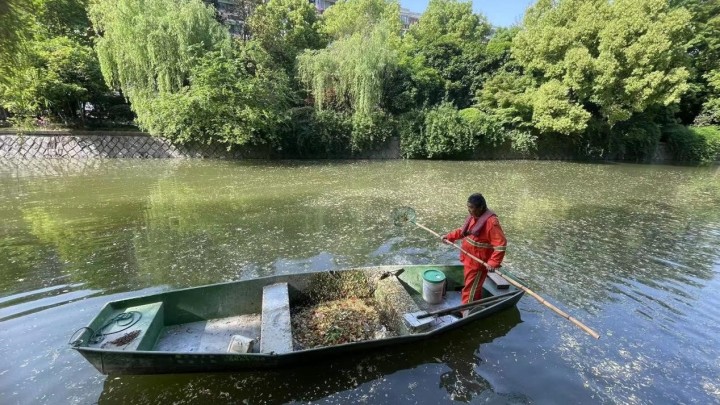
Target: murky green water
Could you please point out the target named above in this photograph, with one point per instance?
(633, 251)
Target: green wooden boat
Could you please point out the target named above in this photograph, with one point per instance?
(250, 324)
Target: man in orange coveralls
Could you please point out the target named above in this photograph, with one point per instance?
(482, 237)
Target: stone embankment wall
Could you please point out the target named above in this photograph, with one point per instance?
(80, 145)
(119, 144)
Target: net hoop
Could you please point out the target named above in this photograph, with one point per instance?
(402, 215)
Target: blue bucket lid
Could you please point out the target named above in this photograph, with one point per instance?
(434, 276)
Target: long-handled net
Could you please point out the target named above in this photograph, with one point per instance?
(402, 215)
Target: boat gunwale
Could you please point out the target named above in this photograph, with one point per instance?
(387, 268)
(499, 305)
(135, 362)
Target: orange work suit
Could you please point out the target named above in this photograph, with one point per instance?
(485, 241)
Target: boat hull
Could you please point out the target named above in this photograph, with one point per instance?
(113, 361)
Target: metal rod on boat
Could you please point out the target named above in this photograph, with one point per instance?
(518, 285)
(484, 301)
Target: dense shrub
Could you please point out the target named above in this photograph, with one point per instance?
(523, 141)
(711, 137)
(371, 130)
(410, 128)
(484, 128)
(233, 98)
(635, 139)
(446, 133)
(693, 144)
(313, 133)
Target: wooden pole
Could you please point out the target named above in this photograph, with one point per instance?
(518, 285)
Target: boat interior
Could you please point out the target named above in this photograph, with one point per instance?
(256, 316)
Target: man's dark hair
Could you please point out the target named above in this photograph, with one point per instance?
(477, 200)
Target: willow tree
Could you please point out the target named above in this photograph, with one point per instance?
(150, 46)
(349, 75)
(14, 15)
(184, 77)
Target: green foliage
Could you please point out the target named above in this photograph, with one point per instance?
(285, 28)
(447, 133)
(410, 128)
(710, 114)
(602, 75)
(635, 139)
(149, 46)
(55, 73)
(372, 129)
(507, 95)
(523, 141)
(232, 98)
(420, 83)
(234, 15)
(704, 51)
(350, 74)
(483, 127)
(18, 94)
(693, 144)
(497, 50)
(65, 18)
(613, 58)
(711, 140)
(14, 30)
(507, 99)
(317, 134)
(554, 111)
(350, 17)
(55, 77)
(446, 48)
(398, 93)
(184, 78)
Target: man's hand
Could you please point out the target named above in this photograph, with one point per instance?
(445, 239)
(489, 268)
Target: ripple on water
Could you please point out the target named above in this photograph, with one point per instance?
(631, 250)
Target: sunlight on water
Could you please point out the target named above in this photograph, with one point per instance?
(631, 250)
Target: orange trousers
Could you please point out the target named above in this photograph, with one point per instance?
(474, 280)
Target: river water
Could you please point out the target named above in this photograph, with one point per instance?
(633, 251)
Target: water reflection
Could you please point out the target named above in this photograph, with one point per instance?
(631, 250)
(402, 374)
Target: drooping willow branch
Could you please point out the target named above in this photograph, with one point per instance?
(351, 69)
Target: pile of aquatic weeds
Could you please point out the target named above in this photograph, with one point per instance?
(336, 322)
(335, 285)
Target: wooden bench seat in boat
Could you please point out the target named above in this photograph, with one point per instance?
(500, 282)
(276, 329)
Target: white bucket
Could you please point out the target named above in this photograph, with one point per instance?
(433, 286)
